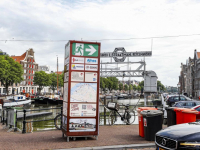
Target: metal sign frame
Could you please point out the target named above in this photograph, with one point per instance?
(74, 64)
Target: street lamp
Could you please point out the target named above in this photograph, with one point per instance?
(178, 85)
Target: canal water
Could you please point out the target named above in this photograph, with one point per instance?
(36, 124)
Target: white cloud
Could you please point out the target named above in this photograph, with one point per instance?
(95, 20)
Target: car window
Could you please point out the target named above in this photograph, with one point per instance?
(197, 103)
(190, 104)
(198, 109)
(176, 98)
(182, 98)
(180, 104)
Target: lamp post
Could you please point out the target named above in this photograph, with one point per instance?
(178, 85)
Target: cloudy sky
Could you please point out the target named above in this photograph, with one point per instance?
(47, 25)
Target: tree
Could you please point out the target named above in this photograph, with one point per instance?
(139, 88)
(41, 79)
(126, 87)
(10, 71)
(134, 87)
(53, 84)
(130, 87)
(61, 80)
(102, 84)
(120, 86)
(114, 81)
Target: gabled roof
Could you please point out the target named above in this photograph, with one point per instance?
(198, 55)
(59, 72)
(19, 58)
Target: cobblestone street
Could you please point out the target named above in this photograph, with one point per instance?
(108, 136)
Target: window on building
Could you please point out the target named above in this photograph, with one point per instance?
(24, 70)
(24, 77)
(30, 60)
(24, 65)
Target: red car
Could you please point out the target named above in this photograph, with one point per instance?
(198, 109)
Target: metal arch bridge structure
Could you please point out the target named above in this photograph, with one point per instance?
(117, 72)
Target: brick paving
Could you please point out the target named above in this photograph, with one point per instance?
(108, 136)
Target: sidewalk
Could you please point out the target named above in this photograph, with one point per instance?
(113, 136)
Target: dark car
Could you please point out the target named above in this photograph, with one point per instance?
(171, 99)
(179, 137)
(186, 104)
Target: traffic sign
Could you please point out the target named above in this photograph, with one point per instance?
(83, 49)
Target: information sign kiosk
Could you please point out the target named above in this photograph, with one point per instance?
(81, 89)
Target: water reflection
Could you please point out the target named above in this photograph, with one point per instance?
(49, 125)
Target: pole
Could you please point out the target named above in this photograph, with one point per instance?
(57, 74)
(24, 122)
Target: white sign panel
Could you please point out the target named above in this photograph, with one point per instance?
(77, 67)
(91, 77)
(77, 76)
(82, 110)
(65, 109)
(83, 92)
(66, 77)
(91, 60)
(91, 67)
(67, 61)
(82, 125)
(77, 60)
(65, 98)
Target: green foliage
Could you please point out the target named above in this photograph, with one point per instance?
(53, 78)
(134, 87)
(139, 88)
(10, 71)
(120, 86)
(130, 87)
(61, 80)
(110, 83)
(42, 79)
(126, 87)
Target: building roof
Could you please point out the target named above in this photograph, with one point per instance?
(198, 54)
(59, 72)
(19, 58)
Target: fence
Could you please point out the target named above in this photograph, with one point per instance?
(11, 118)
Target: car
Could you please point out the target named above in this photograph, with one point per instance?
(171, 99)
(186, 104)
(197, 108)
(179, 137)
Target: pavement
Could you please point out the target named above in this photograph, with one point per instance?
(110, 137)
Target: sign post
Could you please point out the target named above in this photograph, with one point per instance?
(81, 89)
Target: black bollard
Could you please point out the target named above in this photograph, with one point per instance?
(16, 122)
(61, 117)
(104, 110)
(24, 122)
(3, 117)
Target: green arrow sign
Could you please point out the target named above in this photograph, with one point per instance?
(81, 49)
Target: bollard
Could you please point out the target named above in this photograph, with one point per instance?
(24, 122)
(112, 98)
(61, 117)
(3, 117)
(104, 110)
(16, 122)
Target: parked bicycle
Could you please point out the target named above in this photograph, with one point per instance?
(57, 122)
(127, 117)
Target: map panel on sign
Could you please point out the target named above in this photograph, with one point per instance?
(77, 67)
(77, 60)
(77, 76)
(91, 67)
(91, 77)
(91, 60)
(82, 110)
(65, 98)
(82, 125)
(83, 92)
